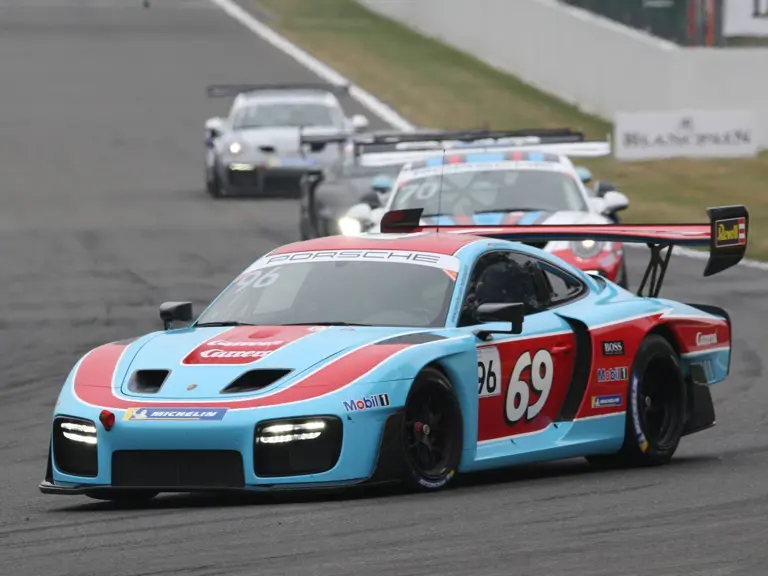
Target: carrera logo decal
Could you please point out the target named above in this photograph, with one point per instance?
(706, 339)
(243, 346)
(607, 401)
(613, 348)
(375, 401)
(731, 232)
(187, 414)
(612, 374)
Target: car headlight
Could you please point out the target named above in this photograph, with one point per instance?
(350, 226)
(235, 148)
(587, 248)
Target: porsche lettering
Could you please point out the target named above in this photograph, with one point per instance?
(402, 256)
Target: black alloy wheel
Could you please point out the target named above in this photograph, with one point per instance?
(432, 432)
(656, 405)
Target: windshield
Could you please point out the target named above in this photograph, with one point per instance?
(373, 287)
(295, 114)
(494, 190)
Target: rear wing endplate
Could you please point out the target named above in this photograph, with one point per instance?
(726, 236)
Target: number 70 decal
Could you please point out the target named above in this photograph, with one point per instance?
(518, 399)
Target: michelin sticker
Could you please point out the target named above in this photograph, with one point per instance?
(188, 414)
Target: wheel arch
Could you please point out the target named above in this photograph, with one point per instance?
(700, 410)
(459, 366)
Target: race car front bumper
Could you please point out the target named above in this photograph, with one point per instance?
(240, 454)
(243, 179)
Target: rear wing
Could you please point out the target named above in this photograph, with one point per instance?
(725, 235)
(232, 90)
(390, 148)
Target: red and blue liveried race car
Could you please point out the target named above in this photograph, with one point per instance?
(411, 356)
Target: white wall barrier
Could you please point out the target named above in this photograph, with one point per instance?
(600, 66)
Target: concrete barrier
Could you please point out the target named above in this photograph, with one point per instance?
(592, 62)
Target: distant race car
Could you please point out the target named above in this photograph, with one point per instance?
(523, 184)
(406, 356)
(256, 150)
(326, 199)
(332, 191)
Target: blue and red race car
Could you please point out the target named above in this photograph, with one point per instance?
(410, 356)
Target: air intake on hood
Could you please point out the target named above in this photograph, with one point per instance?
(147, 381)
(255, 380)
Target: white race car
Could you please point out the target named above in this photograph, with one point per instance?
(503, 185)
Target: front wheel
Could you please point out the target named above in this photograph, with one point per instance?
(432, 433)
(656, 408)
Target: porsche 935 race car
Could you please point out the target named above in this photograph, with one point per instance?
(509, 177)
(257, 150)
(409, 356)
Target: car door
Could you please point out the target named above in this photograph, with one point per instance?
(523, 379)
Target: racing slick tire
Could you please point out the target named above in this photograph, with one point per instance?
(123, 496)
(432, 433)
(656, 408)
(212, 184)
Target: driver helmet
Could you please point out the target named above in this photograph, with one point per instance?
(382, 185)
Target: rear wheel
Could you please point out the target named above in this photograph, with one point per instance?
(656, 408)
(432, 433)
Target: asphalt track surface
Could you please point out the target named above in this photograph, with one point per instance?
(103, 216)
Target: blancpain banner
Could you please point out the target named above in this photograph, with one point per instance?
(685, 133)
(745, 18)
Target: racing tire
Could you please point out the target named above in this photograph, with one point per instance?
(432, 433)
(656, 408)
(123, 496)
(213, 185)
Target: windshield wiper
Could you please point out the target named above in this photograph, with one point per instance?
(223, 323)
(325, 324)
(506, 210)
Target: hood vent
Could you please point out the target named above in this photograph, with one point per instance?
(255, 380)
(147, 381)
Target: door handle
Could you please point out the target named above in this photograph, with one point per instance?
(564, 349)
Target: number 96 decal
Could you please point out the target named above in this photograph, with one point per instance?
(525, 397)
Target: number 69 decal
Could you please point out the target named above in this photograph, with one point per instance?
(518, 402)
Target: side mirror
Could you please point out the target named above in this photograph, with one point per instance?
(602, 188)
(585, 175)
(614, 201)
(213, 129)
(512, 313)
(170, 311)
(371, 199)
(359, 122)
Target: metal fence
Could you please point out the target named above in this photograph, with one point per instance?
(685, 22)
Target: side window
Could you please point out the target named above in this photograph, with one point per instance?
(501, 278)
(561, 286)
